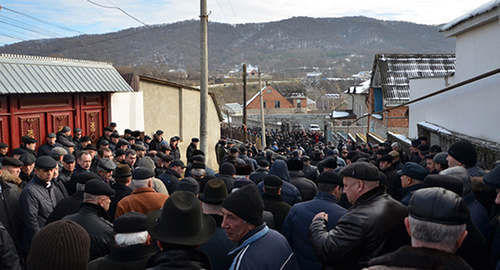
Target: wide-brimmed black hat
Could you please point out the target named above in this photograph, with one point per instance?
(181, 221)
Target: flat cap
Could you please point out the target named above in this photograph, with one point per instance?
(130, 222)
(445, 181)
(435, 148)
(58, 151)
(19, 151)
(188, 184)
(140, 147)
(3, 145)
(114, 135)
(83, 178)
(385, 158)
(167, 158)
(27, 139)
(263, 163)
(104, 142)
(75, 130)
(492, 178)
(45, 162)
(90, 147)
(394, 153)
(273, 181)
(119, 152)
(98, 187)
(198, 165)
(69, 158)
(438, 205)
(142, 173)
(414, 170)
(330, 178)
(173, 139)
(330, 162)
(234, 150)
(195, 139)
(147, 137)
(176, 163)
(51, 135)
(361, 170)
(67, 143)
(85, 139)
(227, 168)
(109, 129)
(159, 132)
(106, 164)
(10, 161)
(65, 129)
(27, 159)
(440, 158)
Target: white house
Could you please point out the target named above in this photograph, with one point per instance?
(470, 111)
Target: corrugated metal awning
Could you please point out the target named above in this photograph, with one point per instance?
(21, 74)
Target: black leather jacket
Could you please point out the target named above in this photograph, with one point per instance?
(373, 226)
(94, 219)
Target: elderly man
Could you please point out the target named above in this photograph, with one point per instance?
(463, 153)
(133, 247)
(155, 143)
(412, 175)
(94, 218)
(38, 199)
(192, 146)
(45, 149)
(431, 250)
(69, 162)
(105, 168)
(144, 198)
(373, 225)
(258, 246)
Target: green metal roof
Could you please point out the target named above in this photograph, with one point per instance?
(22, 74)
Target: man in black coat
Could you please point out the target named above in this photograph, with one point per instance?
(374, 224)
(156, 142)
(273, 202)
(262, 170)
(123, 178)
(192, 146)
(93, 217)
(172, 175)
(431, 251)
(132, 249)
(306, 187)
(71, 205)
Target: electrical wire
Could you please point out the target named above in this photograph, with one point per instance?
(222, 10)
(25, 28)
(42, 21)
(13, 37)
(231, 6)
(32, 27)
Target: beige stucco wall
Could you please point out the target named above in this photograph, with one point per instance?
(176, 111)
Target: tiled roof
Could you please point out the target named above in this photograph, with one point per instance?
(20, 74)
(392, 72)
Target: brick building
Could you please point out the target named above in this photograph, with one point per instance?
(275, 103)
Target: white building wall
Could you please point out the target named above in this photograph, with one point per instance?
(127, 111)
(471, 109)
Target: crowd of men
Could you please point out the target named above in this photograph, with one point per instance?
(130, 202)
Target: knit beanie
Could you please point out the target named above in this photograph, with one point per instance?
(63, 245)
(464, 152)
(246, 203)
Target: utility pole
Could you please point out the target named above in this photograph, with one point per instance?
(262, 118)
(244, 122)
(203, 77)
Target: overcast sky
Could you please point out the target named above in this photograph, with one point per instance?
(74, 17)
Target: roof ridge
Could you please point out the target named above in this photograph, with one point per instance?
(51, 59)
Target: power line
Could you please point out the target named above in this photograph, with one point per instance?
(229, 1)
(25, 28)
(9, 36)
(221, 10)
(42, 21)
(28, 25)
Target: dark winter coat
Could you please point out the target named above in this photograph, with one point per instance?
(279, 209)
(175, 152)
(263, 249)
(121, 191)
(373, 226)
(218, 247)
(132, 257)
(228, 181)
(179, 259)
(419, 258)
(311, 172)
(289, 193)
(37, 202)
(393, 183)
(407, 192)
(9, 258)
(65, 207)
(71, 184)
(94, 219)
(259, 175)
(189, 151)
(306, 187)
(296, 226)
(170, 178)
